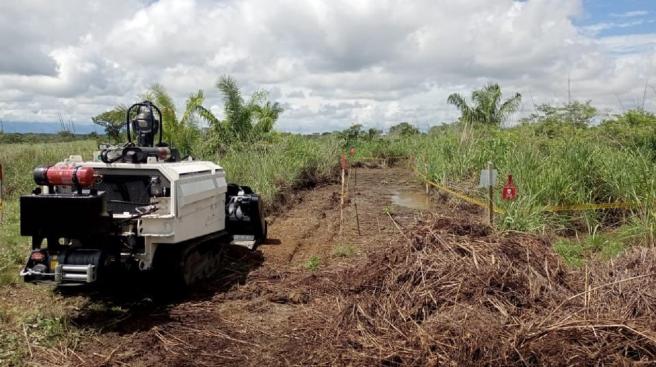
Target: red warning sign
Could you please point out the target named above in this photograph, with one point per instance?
(509, 190)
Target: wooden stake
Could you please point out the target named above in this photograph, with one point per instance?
(355, 204)
(348, 178)
(27, 341)
(586, 298)
(490, 193)
(426, 170)
(341, 205)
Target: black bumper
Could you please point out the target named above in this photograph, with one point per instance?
(64, 215)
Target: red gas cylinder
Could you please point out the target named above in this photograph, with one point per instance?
(65, 175)
(509, 190)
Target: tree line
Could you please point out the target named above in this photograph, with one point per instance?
(250, 119)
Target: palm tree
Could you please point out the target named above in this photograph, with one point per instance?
(238, 114)
(160, 97)
(182, 133)
(113, 121)
(266, 114)
(487, 106)
(194, 108)
(241, 115)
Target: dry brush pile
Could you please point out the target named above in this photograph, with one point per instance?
(456, 294)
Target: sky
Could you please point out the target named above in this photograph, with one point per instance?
(328, 63)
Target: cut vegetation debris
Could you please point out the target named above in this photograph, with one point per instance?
(458, 294)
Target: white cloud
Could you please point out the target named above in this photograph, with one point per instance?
(597, 28)
(329, 63)
(631, 14)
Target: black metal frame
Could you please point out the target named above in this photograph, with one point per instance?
(150, 106)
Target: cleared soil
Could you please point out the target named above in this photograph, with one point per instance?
(249, 314)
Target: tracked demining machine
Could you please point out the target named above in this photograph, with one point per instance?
(136, 208)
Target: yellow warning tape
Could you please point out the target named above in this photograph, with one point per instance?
(550, 208)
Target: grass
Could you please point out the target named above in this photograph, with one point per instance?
(551, 165)
(313, 263)
(344, 251)
(576, 251)
(577, 168)
(34, 316)
(604, 245)
(284, 162)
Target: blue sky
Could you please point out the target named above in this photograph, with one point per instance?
(618, 17)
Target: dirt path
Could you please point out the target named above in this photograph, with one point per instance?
(270, 291)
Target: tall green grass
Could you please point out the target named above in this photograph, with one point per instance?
(578, 168)
(280, 163)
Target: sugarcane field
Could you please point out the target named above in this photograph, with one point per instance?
(200, 183)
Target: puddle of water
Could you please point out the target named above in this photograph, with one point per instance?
(411, 199)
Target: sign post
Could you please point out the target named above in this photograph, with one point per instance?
(490, 194)
(488, 180)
